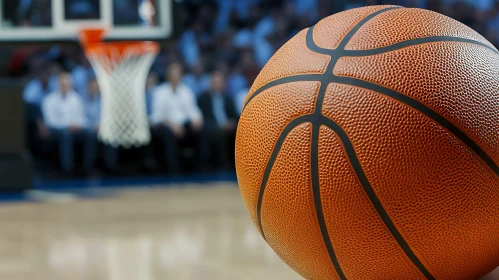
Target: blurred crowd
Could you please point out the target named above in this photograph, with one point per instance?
(197, 86)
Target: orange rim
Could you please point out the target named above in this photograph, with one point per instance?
(92, 42)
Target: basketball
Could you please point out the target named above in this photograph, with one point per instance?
(368, 148)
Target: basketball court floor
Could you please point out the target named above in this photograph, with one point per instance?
(181, 231)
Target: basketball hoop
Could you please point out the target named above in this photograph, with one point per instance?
(121, 70)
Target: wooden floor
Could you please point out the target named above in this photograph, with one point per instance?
(190, 232)
(148, 234)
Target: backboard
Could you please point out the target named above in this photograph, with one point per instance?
(25, 21)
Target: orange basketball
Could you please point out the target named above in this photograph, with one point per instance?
(368, 148)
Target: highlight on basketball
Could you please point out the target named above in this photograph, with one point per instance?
(249, 139)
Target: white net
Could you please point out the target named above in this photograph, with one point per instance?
(122, 79)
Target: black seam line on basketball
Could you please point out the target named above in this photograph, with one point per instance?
(316, 122)
(316, 192)
(335, 54)
(331, 52)
(426, 111)
(357, 167)
(270, 164)
(359, 53)
(313, 47)
(325, 81)
(415, 42)
(285, 80)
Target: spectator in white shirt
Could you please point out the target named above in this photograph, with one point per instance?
(175, 115)
(64, 116)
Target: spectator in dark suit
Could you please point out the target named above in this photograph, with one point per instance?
(220, 117)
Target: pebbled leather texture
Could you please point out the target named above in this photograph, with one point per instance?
(369, 148)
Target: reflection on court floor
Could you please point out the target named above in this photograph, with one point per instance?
(191, 232)
(181, 233)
